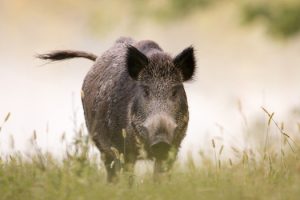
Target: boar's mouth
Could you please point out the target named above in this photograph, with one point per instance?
(160, 150)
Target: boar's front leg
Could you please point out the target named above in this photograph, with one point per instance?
(129, 168)
(163, 166)
(161, 169)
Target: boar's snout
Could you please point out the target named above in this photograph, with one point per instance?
(160, 145)
(160, 149)
(161, 128)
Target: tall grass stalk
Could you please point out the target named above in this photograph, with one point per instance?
(79, 175)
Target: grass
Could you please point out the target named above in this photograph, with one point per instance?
(270, 173)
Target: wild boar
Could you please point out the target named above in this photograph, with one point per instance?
(133, 97)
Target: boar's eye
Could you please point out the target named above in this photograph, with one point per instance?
(146, 91)
(174, 92)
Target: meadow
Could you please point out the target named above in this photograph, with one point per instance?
(270, 172)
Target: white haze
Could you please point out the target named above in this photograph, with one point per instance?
(233, 65)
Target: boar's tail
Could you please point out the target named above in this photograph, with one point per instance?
(66, 54)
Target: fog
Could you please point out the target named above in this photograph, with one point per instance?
(239, 70)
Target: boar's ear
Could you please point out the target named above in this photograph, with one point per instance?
(135, 61)
(186, 63)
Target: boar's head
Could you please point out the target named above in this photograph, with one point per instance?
(159, 111)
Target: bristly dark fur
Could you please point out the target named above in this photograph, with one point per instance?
(66, 54)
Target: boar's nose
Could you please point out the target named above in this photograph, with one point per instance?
(160, 148)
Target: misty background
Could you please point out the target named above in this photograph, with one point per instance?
(248, 56)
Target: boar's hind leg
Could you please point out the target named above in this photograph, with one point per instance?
(112, 164)
(113, 167)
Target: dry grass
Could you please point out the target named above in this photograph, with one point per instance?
(270, 173)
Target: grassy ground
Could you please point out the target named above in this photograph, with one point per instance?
(271, 174)
(75, 178)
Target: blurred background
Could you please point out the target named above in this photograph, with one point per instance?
(248, 56)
